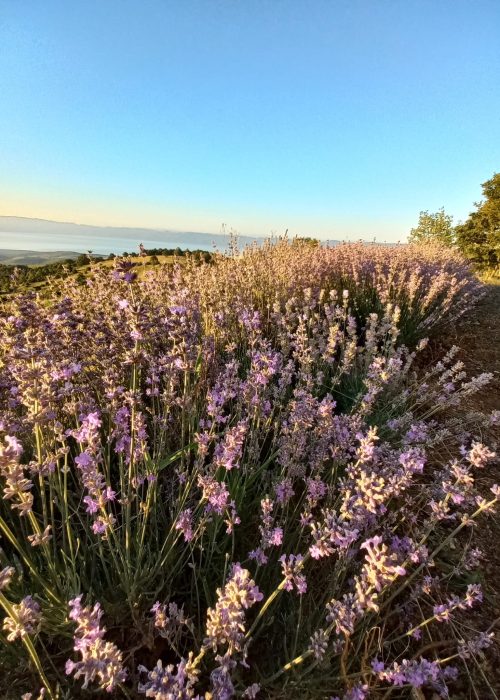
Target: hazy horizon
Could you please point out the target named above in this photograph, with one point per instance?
(43, 235)
(22, 233)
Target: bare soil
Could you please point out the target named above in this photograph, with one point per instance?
(478, 336)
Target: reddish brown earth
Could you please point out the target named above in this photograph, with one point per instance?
(478, 336)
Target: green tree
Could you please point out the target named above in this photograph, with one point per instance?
(433, 228)
(82, 260)
(313, 242)
(479, 237)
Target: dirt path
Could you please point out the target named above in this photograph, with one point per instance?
(478, 336)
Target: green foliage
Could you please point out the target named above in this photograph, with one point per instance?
(82, 259)
(179, 252)
(19, 276)
(433, 228)
(479, 237)
(314, 242)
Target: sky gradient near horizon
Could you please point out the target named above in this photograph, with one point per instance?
(334, 118)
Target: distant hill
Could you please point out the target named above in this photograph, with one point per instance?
(34, 257)
(57, 236)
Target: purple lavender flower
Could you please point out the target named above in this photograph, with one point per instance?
(38, 539)
(417, 434)
(228, 453)
(344, 614)
(121, 432)
(17, 487)
(88, 432)
(42, 694)
(259, 556)
(169, 622)
(357, 692)
(123, 271)
(380, 567)
(6, 575)
(184, 523)
(226, 622)
(331, 534)
(100, 660)
(319, 644)
(252, 691)
(479, 455)
(291, 566)
(25, 619)
(99, 526)
(271, 535)
(284, 491)
(215, 493)
(222, 687)
(316, 490)
(92, 506)
(169, 682)
(275, 538)
(417, 673)
(232, 517)
(474, 594)
(475, 645)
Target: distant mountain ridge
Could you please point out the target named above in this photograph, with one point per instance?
(57, 236)
(35, 257)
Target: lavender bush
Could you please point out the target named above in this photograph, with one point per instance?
(228, 480)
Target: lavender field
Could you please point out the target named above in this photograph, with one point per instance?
(242, 479)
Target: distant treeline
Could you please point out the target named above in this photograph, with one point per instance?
(154, 252)
(15, 276)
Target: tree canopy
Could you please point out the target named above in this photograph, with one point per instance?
(479, 237)
(433, 228)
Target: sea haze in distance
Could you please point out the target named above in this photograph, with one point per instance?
(19, 233)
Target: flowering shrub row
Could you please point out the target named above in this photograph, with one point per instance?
(227, 480)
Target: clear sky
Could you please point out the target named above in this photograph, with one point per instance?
(336, 118)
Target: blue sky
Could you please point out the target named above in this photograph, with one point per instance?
(341, 119)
